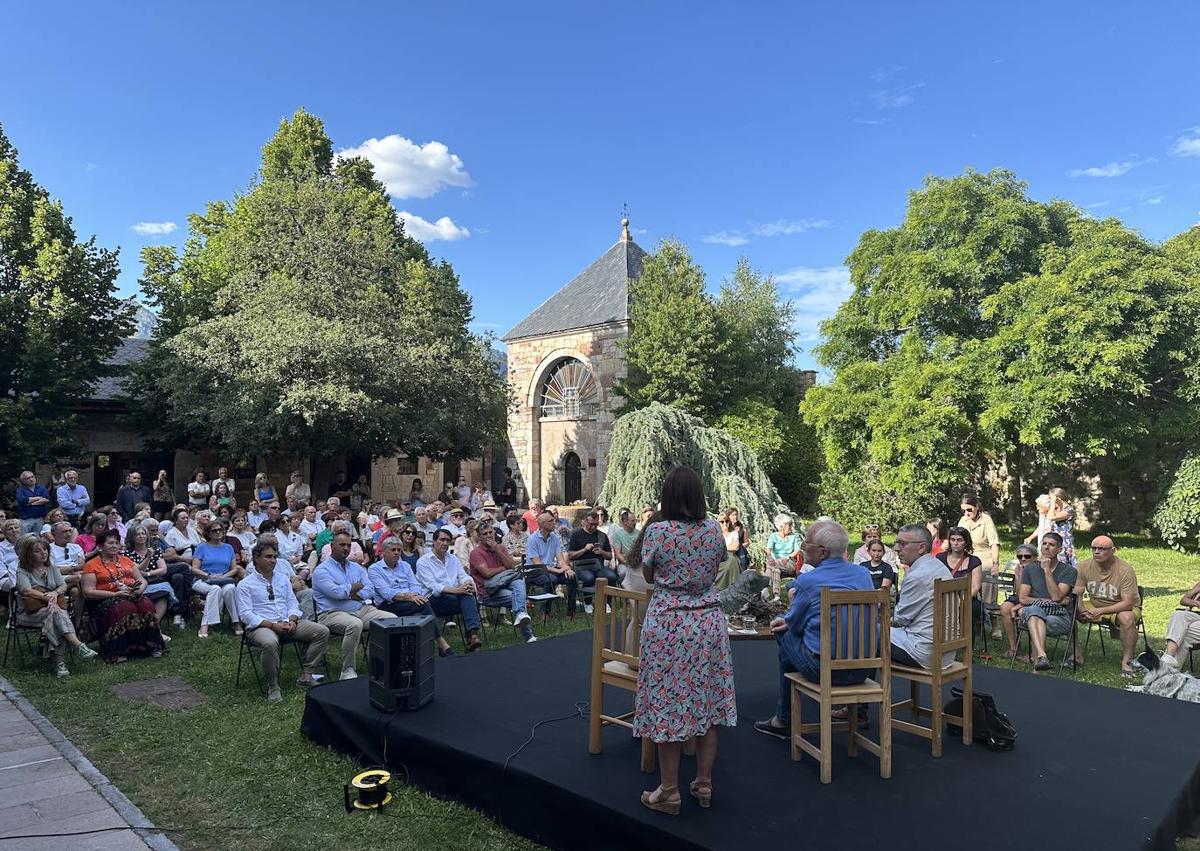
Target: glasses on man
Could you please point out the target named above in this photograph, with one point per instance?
(1024, 556)
(1099, 549)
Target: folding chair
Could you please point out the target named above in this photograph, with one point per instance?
(246, 648)
(615, 658)
(1070, 636)
(951, 633)
(863, 642)
(14, 632)
(1109, 622)
(993, 592)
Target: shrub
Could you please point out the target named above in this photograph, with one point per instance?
(1177, 516)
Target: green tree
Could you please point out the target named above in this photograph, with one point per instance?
(990, 329)
(674, 348)
(62, 319)
(757, 326)
(302, 318)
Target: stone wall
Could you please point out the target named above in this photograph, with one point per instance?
(537, 447)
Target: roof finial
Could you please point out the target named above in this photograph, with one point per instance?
(625, 237)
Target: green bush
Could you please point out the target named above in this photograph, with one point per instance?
(856, 497)
(1177, 516)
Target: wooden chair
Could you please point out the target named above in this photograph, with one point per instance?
(951, 633)
(615, 657)
(862, 643)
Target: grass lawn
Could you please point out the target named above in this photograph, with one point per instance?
(236, 772)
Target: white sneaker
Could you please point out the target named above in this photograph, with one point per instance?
(587, 608)
(85, 652)
(177, 622)
(60, 670)
(521, 618)
(274, 695)
(348, 674)
(531, 639)
(451, 625)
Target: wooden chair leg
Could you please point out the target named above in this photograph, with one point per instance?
(935, 714)
(826, 742)
(852, 722)
(968, 726)
(797, 753)
(596, 710)
(915, 694)
(648, 749)
(885, 738)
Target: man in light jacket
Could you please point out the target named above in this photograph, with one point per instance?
(912, 621)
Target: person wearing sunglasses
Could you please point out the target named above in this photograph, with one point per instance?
(1011, 607)
(985, 541)
(396, 588)
(270, 611)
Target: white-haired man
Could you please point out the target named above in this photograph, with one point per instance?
(799, 630)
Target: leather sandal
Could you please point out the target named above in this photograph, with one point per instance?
(702, 792)
(654, 801)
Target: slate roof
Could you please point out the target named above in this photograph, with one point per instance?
(599, 294)
(131, 350)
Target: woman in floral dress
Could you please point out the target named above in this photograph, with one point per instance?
(685, 679)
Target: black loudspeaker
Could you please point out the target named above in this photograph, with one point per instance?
(400, 655)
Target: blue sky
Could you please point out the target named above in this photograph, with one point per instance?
(511, 134)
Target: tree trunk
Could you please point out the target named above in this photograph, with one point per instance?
(1012, 461)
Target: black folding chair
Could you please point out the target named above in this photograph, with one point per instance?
(246, 648)
(993, 591)
(1069, 636)
(1105, 626)
(15, 633)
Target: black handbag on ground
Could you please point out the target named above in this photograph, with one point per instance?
(989, 725)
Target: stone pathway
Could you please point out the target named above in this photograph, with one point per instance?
(48, 786)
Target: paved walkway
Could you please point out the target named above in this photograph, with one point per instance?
(48, 786)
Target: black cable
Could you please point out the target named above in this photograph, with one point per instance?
(581, 711)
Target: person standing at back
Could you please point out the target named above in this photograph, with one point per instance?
(984, 538)
(73, 498)
(685, 679)
(130, 494)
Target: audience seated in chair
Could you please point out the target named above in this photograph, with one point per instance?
(912, 621)
(216, 574)
(497, 581)
(1045, 596)
(343, 597)
(589, 552)
(799, 630)
(450, 590)
(39, 590)
(270, 612)
(1112, 597)
(545, 549)
(1183, 632)
(396, 589)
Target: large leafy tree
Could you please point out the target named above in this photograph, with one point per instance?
(62, 319)
(990, 332)
(301, 317)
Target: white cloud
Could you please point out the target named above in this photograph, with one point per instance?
(725, 237)
(409, 170)
(784, 227)
(817, 292)
(1097, 205)
(1188, 145)
(423, 230)
(895, 98)
(874, 122)
(1113, 169)
(155, 228)
(1157, 199)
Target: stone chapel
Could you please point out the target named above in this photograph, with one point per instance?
(563, 359)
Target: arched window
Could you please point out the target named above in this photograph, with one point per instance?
(570, 391)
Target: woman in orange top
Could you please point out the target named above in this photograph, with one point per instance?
(126, 620)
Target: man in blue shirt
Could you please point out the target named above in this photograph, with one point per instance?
(73, 499)
(342, 596)
(396, 590)
(33, 501)
(799, 631)
(545, 549)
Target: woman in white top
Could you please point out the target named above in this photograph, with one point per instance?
(463, 544)
(181, 536)
(199, 489)
(242, 531)
(299, 489)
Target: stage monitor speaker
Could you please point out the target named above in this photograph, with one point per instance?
(400, 654)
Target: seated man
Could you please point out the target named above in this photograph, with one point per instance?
(67, 556)
(623, 537)
(397, 590)
(451, 592)
(589, 553)
(342, 595)
(1183, 632)
(544, 550)
(497, 582)
(912, 621)
(1112, 598)
(270, 611)
(799, 630)
(457, 526)
(304, 594)
(1045, 597)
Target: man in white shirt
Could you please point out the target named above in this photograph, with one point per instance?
(73, 498)
(912, 620)
(270, 612)
(223, 478)
(8, 554)
(290, 541)
(311, 525)
(67, 556)
(254, 514)
(456, 525)
(450, 590)
(463, 491)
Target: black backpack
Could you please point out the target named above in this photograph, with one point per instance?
(989, 725)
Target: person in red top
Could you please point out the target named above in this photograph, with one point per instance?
(531, 516)
(114, 587)
(498, 581)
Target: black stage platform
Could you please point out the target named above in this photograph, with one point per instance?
(1094, 767)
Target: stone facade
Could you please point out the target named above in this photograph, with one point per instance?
(538, 445)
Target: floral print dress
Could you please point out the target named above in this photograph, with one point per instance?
(685, 679)
(1065, 528)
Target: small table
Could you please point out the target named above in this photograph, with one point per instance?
(761, 633)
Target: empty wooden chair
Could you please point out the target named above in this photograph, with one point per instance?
(951, 633)
(862, 642)
(615, 657)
